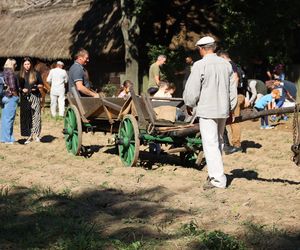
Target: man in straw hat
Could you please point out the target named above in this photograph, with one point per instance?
(212, 90)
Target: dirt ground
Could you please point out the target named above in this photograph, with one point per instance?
(264, 186)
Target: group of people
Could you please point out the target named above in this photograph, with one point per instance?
(24, 88)
(212, 92)
(216, 89)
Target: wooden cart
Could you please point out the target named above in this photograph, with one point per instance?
(134, 122)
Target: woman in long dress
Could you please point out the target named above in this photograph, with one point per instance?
(30, 101)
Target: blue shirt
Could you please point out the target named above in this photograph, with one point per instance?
(263, 102)
(77, 73)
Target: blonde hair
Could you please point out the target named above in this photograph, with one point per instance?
(10, 64)
(276, 92)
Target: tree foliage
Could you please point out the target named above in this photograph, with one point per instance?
(263, 28)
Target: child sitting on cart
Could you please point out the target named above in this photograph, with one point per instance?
(124, 91)
(166, 90)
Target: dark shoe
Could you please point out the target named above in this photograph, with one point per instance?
(228, 150)
(208, 185)
(231, 150)
(237, 149)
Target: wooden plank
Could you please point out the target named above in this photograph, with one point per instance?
(137, 105)
(149, 109)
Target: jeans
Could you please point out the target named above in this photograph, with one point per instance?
(264, 120)
(8, 118)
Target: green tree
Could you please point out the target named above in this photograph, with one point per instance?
(264, 28)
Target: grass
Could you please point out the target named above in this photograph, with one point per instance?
(260, 236)
(214, 240)
(40, 218)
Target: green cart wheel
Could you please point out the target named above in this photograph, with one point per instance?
(129, 145)
(73, 130)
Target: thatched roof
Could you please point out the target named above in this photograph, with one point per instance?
(56, 32)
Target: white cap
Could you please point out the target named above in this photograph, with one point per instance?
(60, 63)
(205, 40)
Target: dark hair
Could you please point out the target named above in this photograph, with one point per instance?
(32, 75)
(172, 86)
(126, 84)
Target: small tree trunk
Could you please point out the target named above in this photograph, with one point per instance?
(130, 31)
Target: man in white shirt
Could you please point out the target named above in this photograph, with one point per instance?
(57, 78)
(212, 90)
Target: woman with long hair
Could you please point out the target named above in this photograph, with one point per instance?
(30, 102)
(10, 101)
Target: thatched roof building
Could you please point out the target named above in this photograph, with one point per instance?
(57, 31)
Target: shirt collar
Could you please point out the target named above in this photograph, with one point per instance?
(79, 64)
(210, 55)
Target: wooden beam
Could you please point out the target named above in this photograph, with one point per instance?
(244, 117)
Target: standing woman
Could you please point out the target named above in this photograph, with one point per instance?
(10, 102)
(30, 103)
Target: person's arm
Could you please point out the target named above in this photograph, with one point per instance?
(269, 74)
(156, 78)
(252, 86)
(271, 104)
(66, 78)
(84, 90)
(10, 80)
(232, 91)
(193, 86)
(236, 78)
(49, 77)
(157, 75)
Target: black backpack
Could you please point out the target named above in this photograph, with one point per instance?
(2, 85)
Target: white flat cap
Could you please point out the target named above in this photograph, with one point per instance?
(60, 63)
(205, 40)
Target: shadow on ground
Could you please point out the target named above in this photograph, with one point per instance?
(88, 151)
(33, 218)
(253, 175)
(249, 144)
(39, 218)
(152, 161)
(44, 139)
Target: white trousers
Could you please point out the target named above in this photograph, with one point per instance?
(61, 104)
(212, 131)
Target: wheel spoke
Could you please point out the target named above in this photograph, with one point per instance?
(123, 132)
(72, 119)
(69, 142)
(131, 153)
(74, 144)
(130, 130)
(69, 123)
